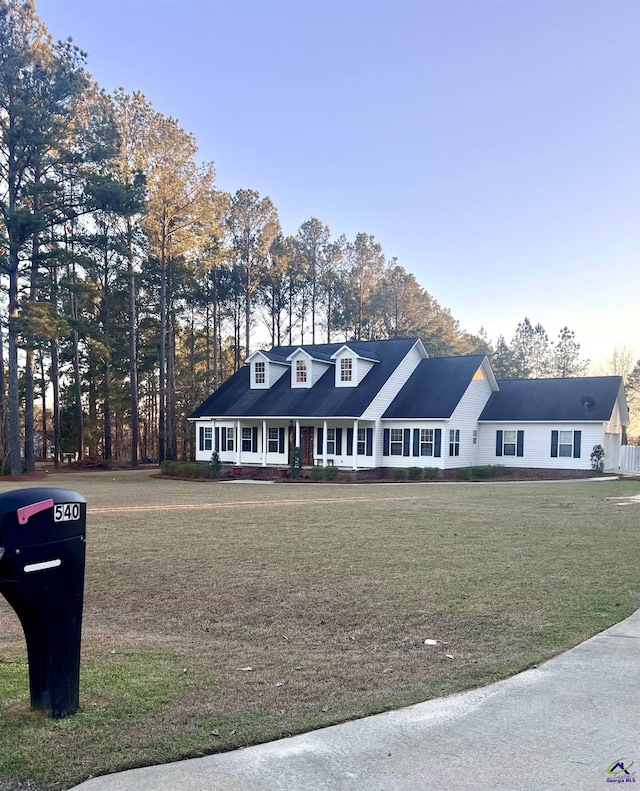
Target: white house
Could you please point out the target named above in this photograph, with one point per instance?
(369, 404)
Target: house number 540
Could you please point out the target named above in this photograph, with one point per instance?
(66, 512)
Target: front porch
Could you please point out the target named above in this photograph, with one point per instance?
(270, 443)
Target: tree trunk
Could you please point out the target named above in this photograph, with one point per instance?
(133, 352)
(55, 376)
(4, 437)
(14, 398)
(162, 357)
(43, 386)
(172, 444)
(55, 372)
(106, 409)
(75, 345)
(29, 374)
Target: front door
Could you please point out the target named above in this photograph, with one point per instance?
(306, 441)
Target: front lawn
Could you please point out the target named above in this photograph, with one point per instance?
(220, 615)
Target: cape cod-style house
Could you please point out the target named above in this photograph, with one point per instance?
(369, 404)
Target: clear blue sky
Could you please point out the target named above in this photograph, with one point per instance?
(493, 147)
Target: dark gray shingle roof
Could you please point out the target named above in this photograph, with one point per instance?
(553, 399)
(235, 398)
(435, 388)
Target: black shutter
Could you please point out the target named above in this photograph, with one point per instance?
(577, 441)
(369, 442)
(416, 441)
(386, 442)
(520, 445)
(254, 440)
(281, 440)
(217, 438)
(498, 443)
(406, 445)
(320, 441)
(437, 444)
(201, 433)
(349, 442)
(338, 442)
(554, 444)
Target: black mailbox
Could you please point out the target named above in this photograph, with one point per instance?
(42, 556)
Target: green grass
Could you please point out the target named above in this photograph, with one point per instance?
(326, 592)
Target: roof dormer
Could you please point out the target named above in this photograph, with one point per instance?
(306, 368)
(351, 366)
(264, 371)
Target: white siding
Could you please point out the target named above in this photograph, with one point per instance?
(317, 369)
(385, 396)
(465, 418)
(275, 371)
(611, 445)
(362, 368)
(614, 425)
(537, 445)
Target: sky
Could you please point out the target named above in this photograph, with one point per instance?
(492, 147)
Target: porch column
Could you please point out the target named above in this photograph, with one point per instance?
(355, 444)
(264, 443)
(324, 444)
(238, 432)
(297, 433)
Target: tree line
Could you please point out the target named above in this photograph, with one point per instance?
(132, 286)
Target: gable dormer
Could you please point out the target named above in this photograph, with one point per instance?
(351, 366)
(264, 371)
(306, 368)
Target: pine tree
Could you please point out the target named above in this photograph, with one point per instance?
(39, 81)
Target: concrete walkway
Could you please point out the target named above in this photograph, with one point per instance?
(558, 726)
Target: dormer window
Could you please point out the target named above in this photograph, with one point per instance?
(260, 373)
(346, 369)
(301, 371)
(351, 366)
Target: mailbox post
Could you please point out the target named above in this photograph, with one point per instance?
(42, 558)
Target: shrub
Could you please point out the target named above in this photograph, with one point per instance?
(215, 464)
(330, 473)
(399, 474)
(463, 473)
(414, 473)
(295, 468)
(483, 471)
(597, 458)
(317, 473)
(185, 469)
(431, 473)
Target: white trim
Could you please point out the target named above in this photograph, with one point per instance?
(354, 441)
(265, 443)
(325, 428)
